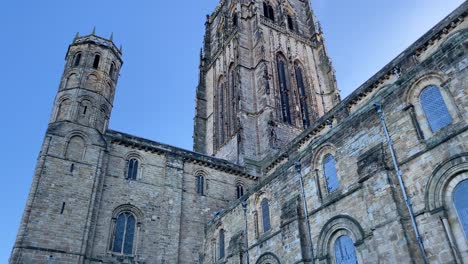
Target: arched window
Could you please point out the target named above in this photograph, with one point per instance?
(132, 169)
(265, 215)
(345, 252)
(303, 96)
(223, 111)
(221, 244)
(232, 104)
(235, 20)
(284, 89)
(72, 81)
(331, 176)
(240, 191)
(460, 200)
(268, 11)
(63, 109)
(112, 71)
(435, 108)
(290, 23)
(75, 148)
(77, 60)
(200, 185)
(124, 234)
(97, 58)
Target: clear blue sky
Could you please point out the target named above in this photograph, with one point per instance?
(161, 42)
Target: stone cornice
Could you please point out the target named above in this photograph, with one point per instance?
(152, 146)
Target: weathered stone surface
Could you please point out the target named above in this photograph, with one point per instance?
(81, 182)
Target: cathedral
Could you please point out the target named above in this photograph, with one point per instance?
(283, 170)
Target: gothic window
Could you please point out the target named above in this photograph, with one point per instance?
(460, 201)
(221, 244)
(97, 58)
(345, 252)
(221, 112)
(331, 176)
(435, 108)
(224, 111)
(265, 215)
(302, 96)
(284, 89)
(290, 22)
(232, 102)
(268, 11)
(124, 234)
(239, 191)
(132, 169)
(75, 148)
(77, 60)
(200, 185)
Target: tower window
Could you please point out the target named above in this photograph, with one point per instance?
(268, 11)
(97, 58)
(435, 108)
(240, 191)
(302, 97)
(77, 60)
(284, 90)
(124, 234)
(112, 71)
(132, 170)
(266, 215)
(221, 244)
(460, 201)
(235, 20)
(200, 185)
(331, 176)
(345, 252)
(290, 23)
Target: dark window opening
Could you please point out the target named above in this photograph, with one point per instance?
(132, 169)
(240, 191)
(268, 11)
(97, 58)
(290, 23)
(222, 113)
(63, 208)
(302, 98)
(200, 185)
(124, 233)
(284, 91)
(235, 20)
(112, 72)
(85, 109)
(72, 167)
(221, 244)
(77, 60)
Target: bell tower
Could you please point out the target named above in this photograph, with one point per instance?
(87, 89)
(60, 211)
(265, 76)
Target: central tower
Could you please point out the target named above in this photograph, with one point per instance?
(265, 76)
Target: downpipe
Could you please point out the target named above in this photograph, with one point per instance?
(298, 167)
(378, 108)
